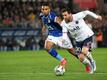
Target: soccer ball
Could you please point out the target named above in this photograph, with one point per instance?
(59, 70)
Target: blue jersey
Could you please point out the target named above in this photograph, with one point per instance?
(54, 28)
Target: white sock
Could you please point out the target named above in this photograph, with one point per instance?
(90, 57)
(86, 61)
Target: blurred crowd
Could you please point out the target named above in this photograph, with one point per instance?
(18, 14)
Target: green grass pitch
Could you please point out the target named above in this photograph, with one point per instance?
(38, 65)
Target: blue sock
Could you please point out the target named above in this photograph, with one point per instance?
(55, 54)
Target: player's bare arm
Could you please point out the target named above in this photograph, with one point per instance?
(43, 29)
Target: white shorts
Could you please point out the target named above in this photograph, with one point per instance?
(57, 41)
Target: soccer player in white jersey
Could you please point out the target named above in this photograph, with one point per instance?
(80, 31)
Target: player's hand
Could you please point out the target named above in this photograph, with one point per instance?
(99, 17)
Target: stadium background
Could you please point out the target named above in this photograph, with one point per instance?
(20, 27)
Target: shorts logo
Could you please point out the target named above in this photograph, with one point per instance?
(78, 50)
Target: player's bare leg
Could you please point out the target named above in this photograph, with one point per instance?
(72, 51)
(49, 47)
(86, 62)
(86, 52)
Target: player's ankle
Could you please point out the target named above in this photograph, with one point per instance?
(63, 61)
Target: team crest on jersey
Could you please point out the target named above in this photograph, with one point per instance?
(77, 22)
(49, 21)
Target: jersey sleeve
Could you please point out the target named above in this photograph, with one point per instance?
(64, 30)
(53, 16)
(82, 14)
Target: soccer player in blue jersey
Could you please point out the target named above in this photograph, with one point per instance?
(56, 34)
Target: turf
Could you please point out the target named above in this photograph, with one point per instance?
(38, 65)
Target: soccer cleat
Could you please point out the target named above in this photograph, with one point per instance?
(93, 65)
(63, 62)
(89, 69)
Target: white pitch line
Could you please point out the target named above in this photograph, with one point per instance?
(75, 73)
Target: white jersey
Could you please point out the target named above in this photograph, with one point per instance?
(58, 40)
(78, 29)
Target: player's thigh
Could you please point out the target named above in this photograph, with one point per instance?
(49, 42)
(48, 45)
(87, 45)
(85, 50)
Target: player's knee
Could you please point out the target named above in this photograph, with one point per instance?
(48, 47)
(84, 51)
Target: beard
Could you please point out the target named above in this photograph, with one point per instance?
(70, 19)
(67, 21)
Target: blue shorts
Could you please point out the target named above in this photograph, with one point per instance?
(86, 43)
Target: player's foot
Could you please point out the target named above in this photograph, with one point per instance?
(89, 69)
(94, 65)
(63, 62)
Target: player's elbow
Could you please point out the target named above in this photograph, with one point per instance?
(86, 12)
